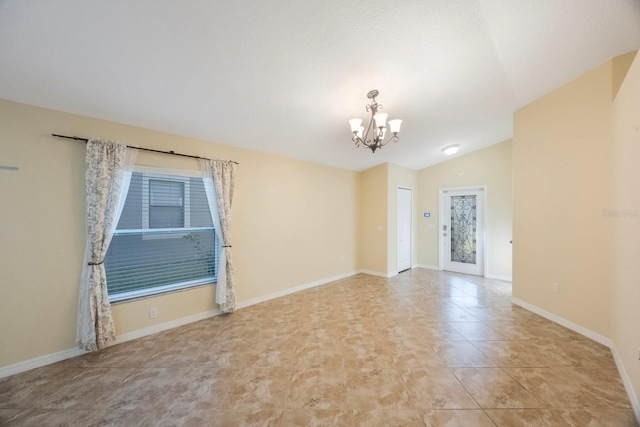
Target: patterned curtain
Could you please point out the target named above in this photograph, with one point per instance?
(109, 168)
(218, 177)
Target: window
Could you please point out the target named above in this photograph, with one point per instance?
(166, 204)
(164, 239)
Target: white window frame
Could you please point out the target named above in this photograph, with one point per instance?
(157, 173)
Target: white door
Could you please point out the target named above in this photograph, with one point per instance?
(404, 228)
(462, 222)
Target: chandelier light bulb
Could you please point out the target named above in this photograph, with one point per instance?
(381, 119)
(394, 125)
(355, 124)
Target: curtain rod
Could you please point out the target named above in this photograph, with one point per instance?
(173, 153)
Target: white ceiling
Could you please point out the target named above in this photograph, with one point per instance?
(284, 76)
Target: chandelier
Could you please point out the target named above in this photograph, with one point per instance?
(378, 130)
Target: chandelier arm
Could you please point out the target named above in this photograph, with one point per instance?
(395, 138)
(366, 135)
(375, 140)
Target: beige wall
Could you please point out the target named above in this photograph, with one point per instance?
(491, 167)
(562, 183)
(373, 221)
(626, 227)
(577, 206)
(288, 216)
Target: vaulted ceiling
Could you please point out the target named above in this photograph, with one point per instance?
(284, 76)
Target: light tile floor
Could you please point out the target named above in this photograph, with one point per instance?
(423, 348)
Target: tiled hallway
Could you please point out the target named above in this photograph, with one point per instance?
(422, 348)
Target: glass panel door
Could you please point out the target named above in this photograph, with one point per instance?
(462, 230)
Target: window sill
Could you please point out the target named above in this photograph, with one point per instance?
(126, 300)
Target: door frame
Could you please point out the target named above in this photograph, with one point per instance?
(442, 210)
(410, 228)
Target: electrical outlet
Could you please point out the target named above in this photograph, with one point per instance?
(153, 312)
(555, 287)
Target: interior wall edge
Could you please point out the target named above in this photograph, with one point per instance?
(289, 291)
(608, 342)
(379, 274)
(40, 361)
(626, 381)
(599, 338)
(594, 336)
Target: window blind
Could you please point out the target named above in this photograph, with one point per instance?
(164, 240)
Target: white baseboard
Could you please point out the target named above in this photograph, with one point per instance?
(273, 295)
(48, 359)
(378, 274)
(627, 383)
(428, 267)
(594, 336)
(499, 277)
(564, 322)
(38, 362)
(139, 333)
(488, 276)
